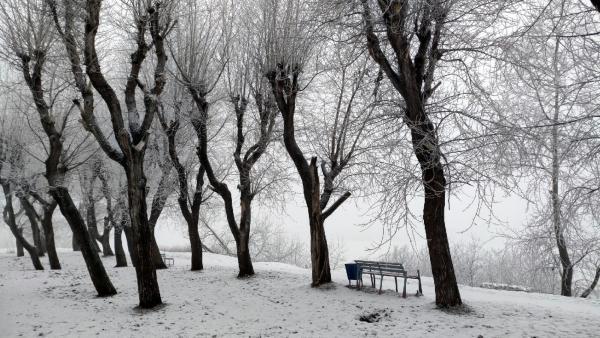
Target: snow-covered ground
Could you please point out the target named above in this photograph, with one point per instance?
(278, 302)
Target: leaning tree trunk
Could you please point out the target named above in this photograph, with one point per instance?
(93, 262)
(589, 290)
(49, 235)
(10, 219)
(427, 150)
(119, 252)
(446, 287)
(143, 236)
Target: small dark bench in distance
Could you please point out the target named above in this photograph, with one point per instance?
(169, 261)
(381, 269)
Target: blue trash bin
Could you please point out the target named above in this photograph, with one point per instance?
(352, 272)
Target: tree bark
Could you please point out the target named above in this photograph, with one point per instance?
(130, 245)
(74, 243)
(49, 235)
(20, 252)
(119, 252)
(90, 215)
(105, 239)
(143, 236)
(243, 240)
(33, 222)
(10, 219)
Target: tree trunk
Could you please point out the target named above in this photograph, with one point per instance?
(319, 252)
(74, 243)
(93, 262)
(408, 80)
(90, 216)
(589, 290)
(143, 236)
(105, 239)
(243, 239)
(20, 252)
(195, 245)
(442, 268)
(119, 252)
(35, 229)
(10, 219)
(49, 235)
(130, 245)
(566, 274)
(156, 257)
(106, 249)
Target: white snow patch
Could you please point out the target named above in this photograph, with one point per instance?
(277, 302)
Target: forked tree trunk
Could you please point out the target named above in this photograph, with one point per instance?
(119, 252)
(49, 235)
(10, 219)
(148, 289)
(284, 84)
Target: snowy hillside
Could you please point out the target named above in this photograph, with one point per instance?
(278, 302)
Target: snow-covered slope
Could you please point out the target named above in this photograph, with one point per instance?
(278, 302)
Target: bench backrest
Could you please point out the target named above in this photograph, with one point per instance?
(380, 266)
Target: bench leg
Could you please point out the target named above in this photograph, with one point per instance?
(380, 283)
(396, 281)
(404, 289)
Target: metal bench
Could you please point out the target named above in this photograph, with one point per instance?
(169, 261)
(381, 269)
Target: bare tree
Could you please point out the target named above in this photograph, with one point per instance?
(190, 207)
(412, 72)
(148, 18)
(10, 156)
(27, 35)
